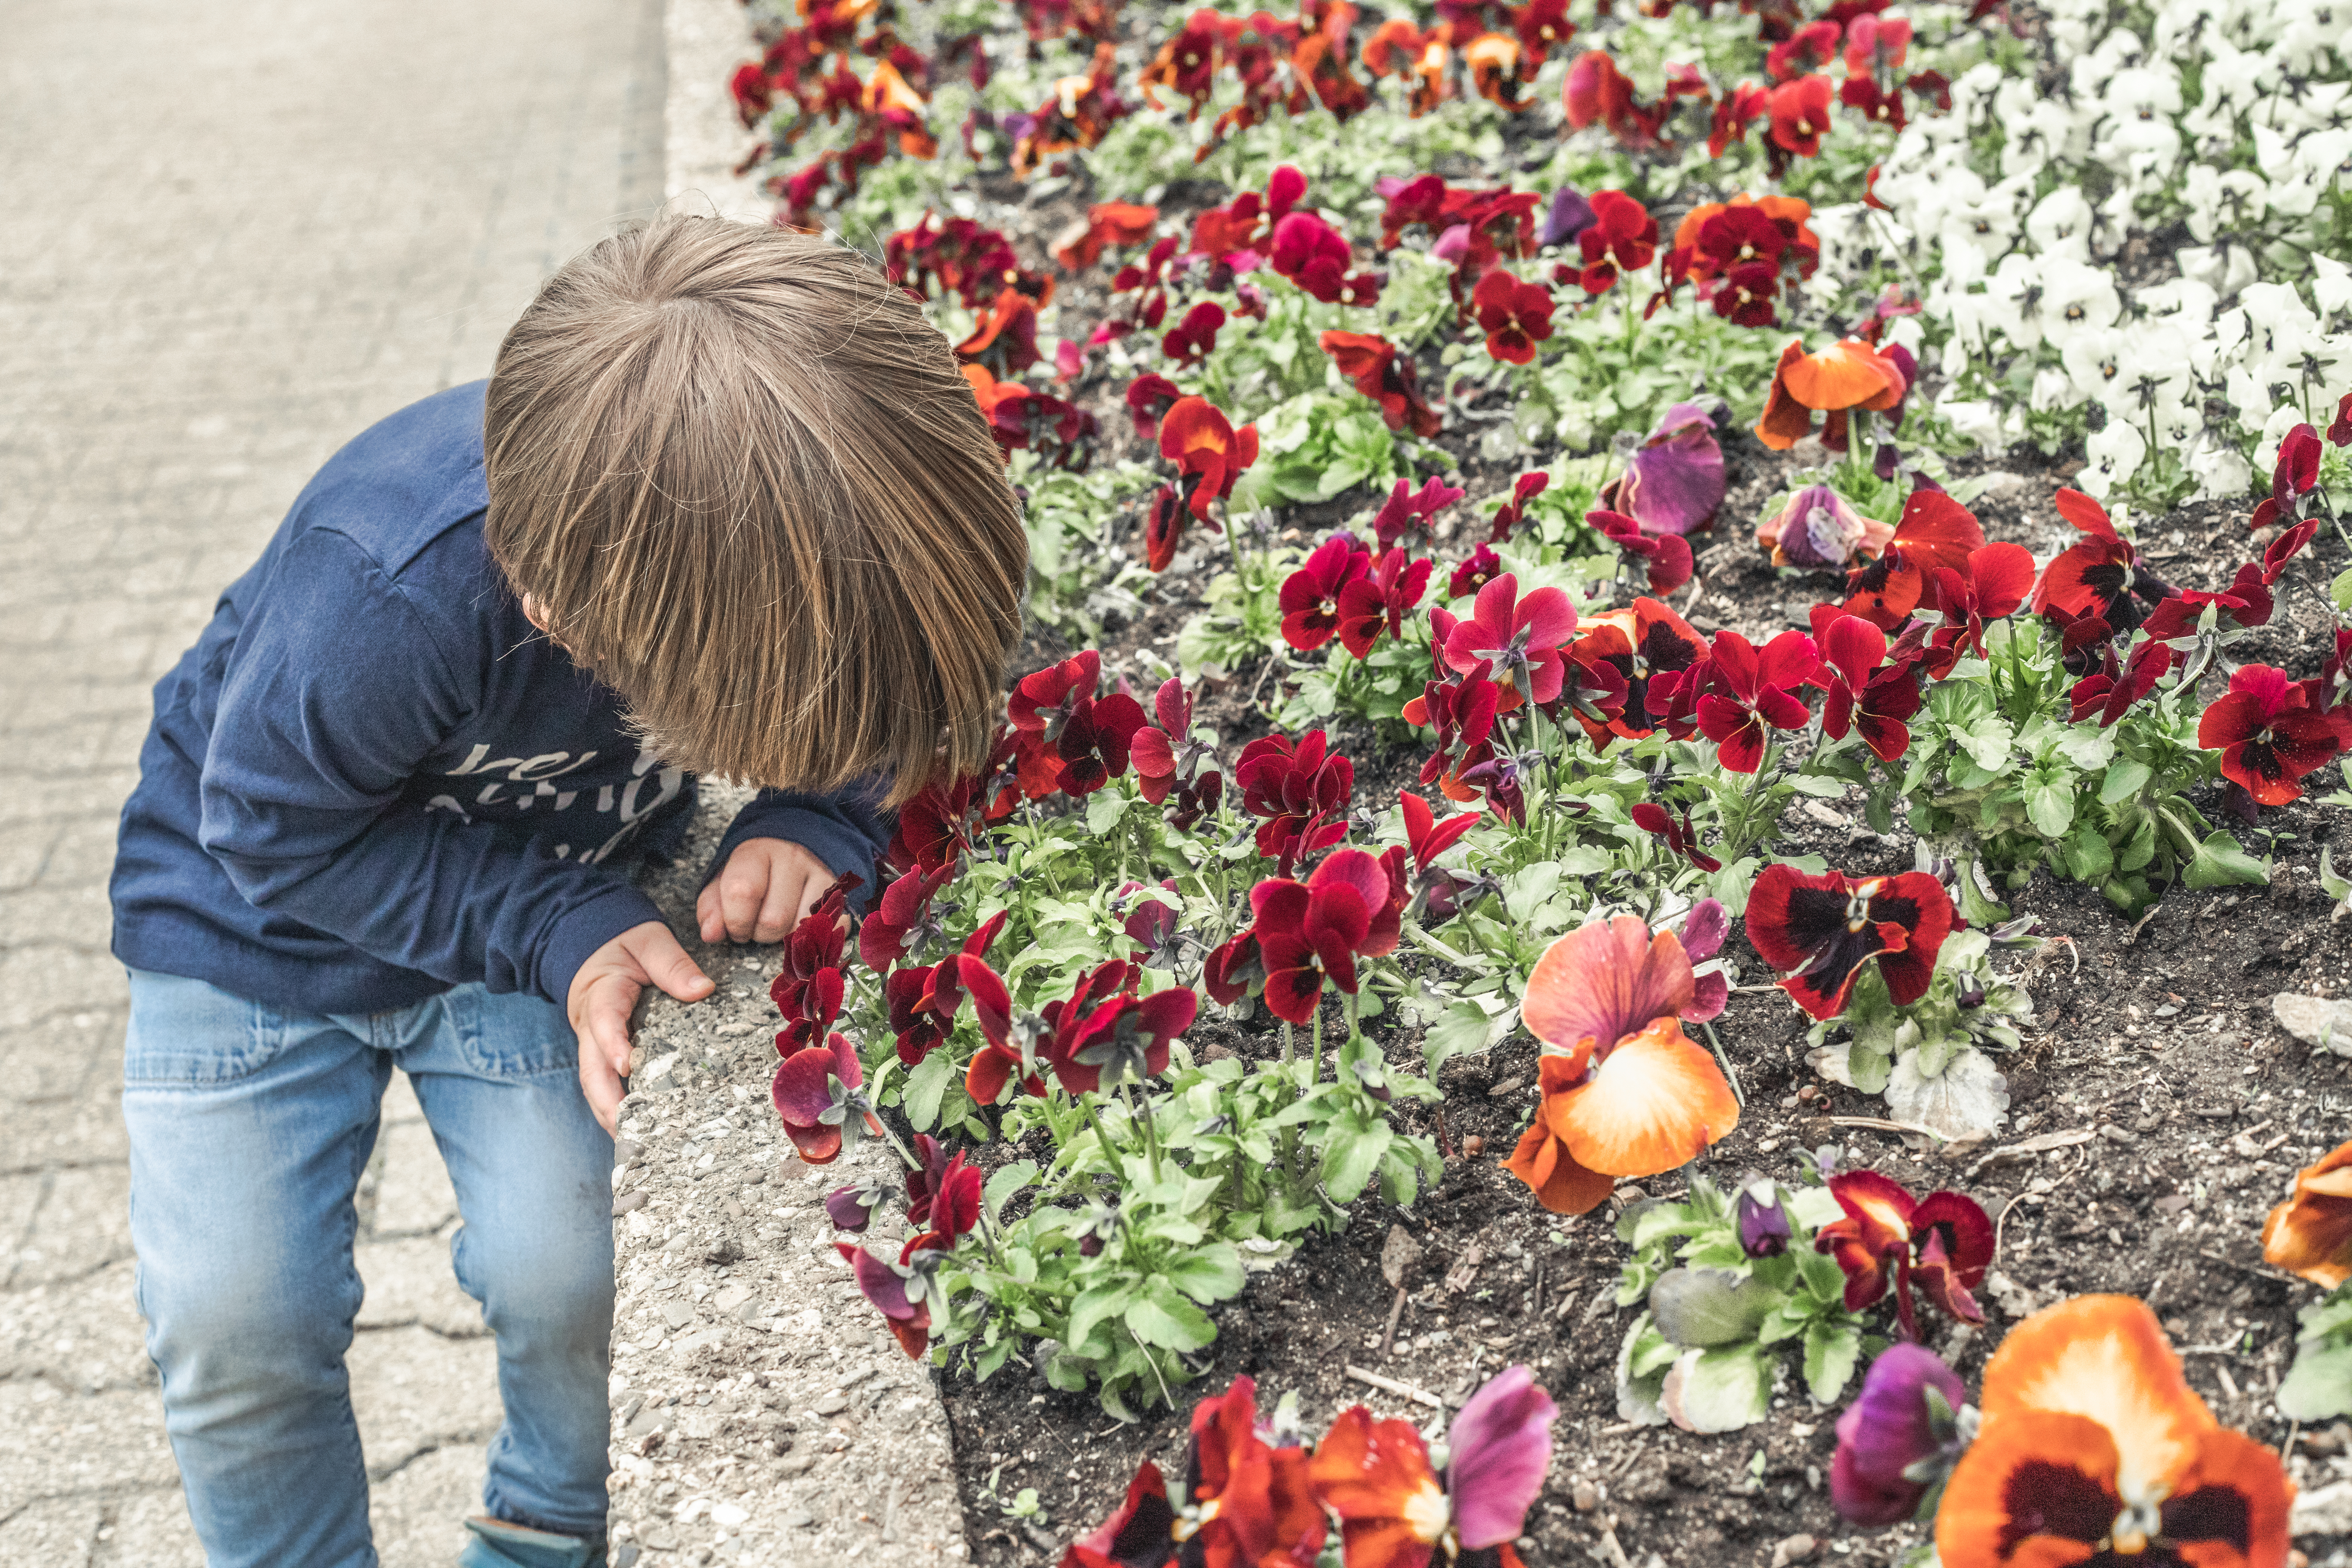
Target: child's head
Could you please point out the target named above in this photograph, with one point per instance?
(741, 480)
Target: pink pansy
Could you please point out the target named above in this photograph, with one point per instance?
(815, 1093)
(1501, 1446)
(1605, 981)
(1520, 637)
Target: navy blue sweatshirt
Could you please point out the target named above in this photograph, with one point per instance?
(372, 780)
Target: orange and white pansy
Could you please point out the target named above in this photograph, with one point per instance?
(1625, 1093)
(2094, 1449)
(2311, 1233)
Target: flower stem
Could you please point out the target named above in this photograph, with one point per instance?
(1086, 1104)
(1315, 1047)
(1724, 1061)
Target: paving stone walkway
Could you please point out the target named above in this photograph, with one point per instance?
(236, 234)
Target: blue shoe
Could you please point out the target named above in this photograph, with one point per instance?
(498, 1545)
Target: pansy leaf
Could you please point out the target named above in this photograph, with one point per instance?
(1464, 1027)
(1067, 1372)
(1210, 1274)
(1350, 1157)
(2088, 747)
(1160, 1315)
(2319, 1385)
(1103, 808)
(1831, 1351)
(2339, 591)
(2050, 804)
(1006, 1182)
(2220, 862)
(1709, 1306)
(2124, 780)
(1105, 1300)
(1719, 1390)
(2089, 857)
(925, 1087)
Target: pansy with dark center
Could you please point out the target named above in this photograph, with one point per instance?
(1309, 934)
(2102, 574)
(1886, 1239)
(1299, 791)
(1820, 930)
(1865, 694)
(1520, 637)
(1124, 1040)
(1647, 640)
(1370, 604)
(1752, 692)
(1379, 371)
(2268, 734)
(1311, 597)
(1936, 534)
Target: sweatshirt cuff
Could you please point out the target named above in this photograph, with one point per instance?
(582, 929)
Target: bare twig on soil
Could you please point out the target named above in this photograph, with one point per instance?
(1880, 1124)
(1389, 1384)
(1396, 1316)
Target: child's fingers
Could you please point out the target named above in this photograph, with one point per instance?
(665, 964)
(605, 1043)
(784, 905)
(708, 915)
(742, 886)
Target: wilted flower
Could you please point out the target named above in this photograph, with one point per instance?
(1674, 481)
(1624, 1094)
(2311, 1233)
(1818, 528)
(1142, 1534)
(1666, 557)
(1406, 514)
(1821, 929)
(819, 1095)
(2093, 1443)
(1375, 368)
(906, 1314)
(1681, 838)
(1900, 1438)
(1886, 1238)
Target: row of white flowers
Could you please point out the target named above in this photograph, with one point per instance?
(2034, 211)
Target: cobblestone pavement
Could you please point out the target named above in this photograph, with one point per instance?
(236, 235)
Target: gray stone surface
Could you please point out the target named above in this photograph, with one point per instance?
(216, 270)
(757, 1398)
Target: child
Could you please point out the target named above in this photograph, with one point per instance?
(725, 506)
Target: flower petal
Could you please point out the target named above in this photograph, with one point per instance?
(2103, 1357)
(1551, 1172)
(2036, 1491)
(2311, 1233)
(1606, 981)
(1501, 1445)
(1655, 1103)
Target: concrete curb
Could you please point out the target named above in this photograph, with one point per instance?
(704, 141)
(760, 1413)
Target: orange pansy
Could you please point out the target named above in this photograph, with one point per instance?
(2094, 1443)
(2311, 1233)
(1846, 375)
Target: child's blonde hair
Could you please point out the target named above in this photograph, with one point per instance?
(743, 482)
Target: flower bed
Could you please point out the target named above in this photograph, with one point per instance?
(1446, 897)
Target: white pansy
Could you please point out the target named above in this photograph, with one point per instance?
(2225, 269)
(2077, 298)
(2331, 283)
(2249, 393)
(2310, 32)
(2281, 329)
(2222, 199)
(2114, 455)
(2052, 389)
(2011, 304)
(2219, 471)
(2092, 360)
(1977, 420)
(2182, 300)
(2059, 223)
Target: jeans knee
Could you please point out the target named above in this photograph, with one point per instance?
(540, 1293)
(228, 1339)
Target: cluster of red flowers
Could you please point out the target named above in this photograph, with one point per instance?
(813, 66)
(1249, 1498)
(1795, 103)
(1290, 65)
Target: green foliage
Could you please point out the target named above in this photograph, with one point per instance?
(2318, 1387)
(1720, 1326)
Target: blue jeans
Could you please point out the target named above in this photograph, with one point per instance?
(249, 1129)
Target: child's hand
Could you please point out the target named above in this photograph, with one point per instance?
(605, 991)
(768, 885)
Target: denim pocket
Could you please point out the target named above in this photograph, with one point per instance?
(186, 1031)
(509, 1035)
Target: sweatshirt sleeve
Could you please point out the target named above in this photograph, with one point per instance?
(847, 831)
(334, 696)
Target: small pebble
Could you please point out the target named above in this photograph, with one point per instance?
(1794, 1549)
(799, 1518)
(1585, 1496)
(831, 1403)
(1474, 1145)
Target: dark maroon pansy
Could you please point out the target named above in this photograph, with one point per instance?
(1819, 931)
